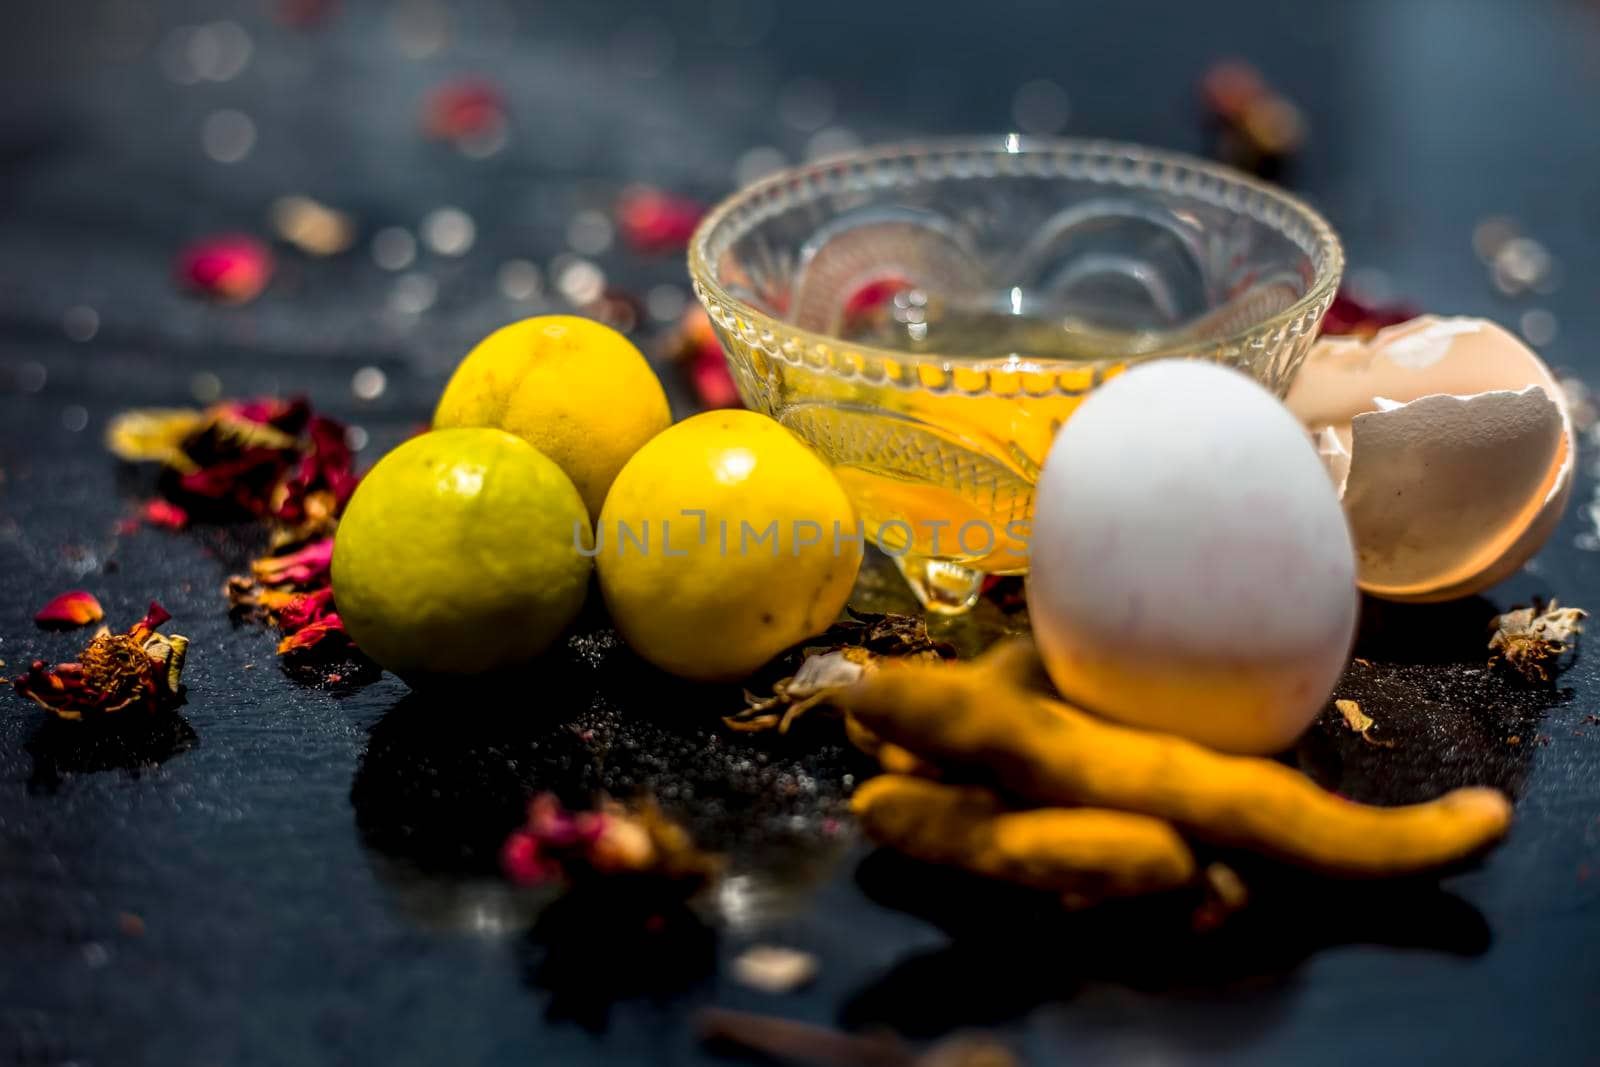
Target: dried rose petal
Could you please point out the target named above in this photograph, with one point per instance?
(464, 108)
(329, 627)
(871, 298)
(140, 668)
(523, 863)
(1230, 87)
(693, 336)
(299, 610)
(75, 608)
(613, 840)
(653, 221)
(164, 513)
(233, 268)
(713, 383)
(1258, 127)
(304, 14)
(1349, 317)
(306, 567)
(285, 414)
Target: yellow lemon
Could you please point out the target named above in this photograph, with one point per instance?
(462, 551)
(576, 390)
(724, 541)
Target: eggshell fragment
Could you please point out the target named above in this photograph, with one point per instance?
(1191, 570)
(1450, 446)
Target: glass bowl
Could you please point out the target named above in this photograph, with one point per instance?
(927, 316)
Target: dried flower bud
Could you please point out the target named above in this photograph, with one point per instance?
(137, 669)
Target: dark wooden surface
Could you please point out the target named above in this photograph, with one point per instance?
(310, 866)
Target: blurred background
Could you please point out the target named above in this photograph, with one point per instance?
(420, 171)
(340, 197)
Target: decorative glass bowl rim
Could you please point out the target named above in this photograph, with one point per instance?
(1107, 162)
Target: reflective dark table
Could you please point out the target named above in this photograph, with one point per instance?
(304, 873)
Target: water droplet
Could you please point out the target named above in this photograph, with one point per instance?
(519, 280)
(420, 27)
(393, 248)
(806, 104)
(833, 141)
(665, 303)
(356, 437)
(589, 233)
(205, 387)
(368, 383)
(1041, 107)
(449, 231)
(579, 280)
(219, 51)
(31, 377)
(489, 141)
(1521, 264)
(228, 135)
(1539, 326)
(757, 163)
(176, 61)
(75, 417)
(413, 293)
(1491, 234)
(81, 322)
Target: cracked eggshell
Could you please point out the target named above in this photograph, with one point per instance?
(1451, 447)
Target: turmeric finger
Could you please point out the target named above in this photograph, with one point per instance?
(973, 717)
(1084, 854)
(892, 758)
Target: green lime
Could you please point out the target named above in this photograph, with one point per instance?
(460, 553)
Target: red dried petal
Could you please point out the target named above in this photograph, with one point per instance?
(244, 480)
(873, 296)
(713, 383)
(1350, 317)
(1230, 87)
(165, 514)
(75, 608)
(556, 828)
(693, 336)
(466, 107)
(654, 221)
(523, 863)
(154, 616)
(328, 628)
(304, 14)
(325, 465)
(233, 268)
(303, 609)
(288, 414)
(306, 567)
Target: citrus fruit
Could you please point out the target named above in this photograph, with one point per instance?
(460, 553)
(576, 390)
(770, 562)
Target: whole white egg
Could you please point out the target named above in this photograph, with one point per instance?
(1191, 566)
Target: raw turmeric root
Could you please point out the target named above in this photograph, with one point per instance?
(1086, 855)
(975, 718)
